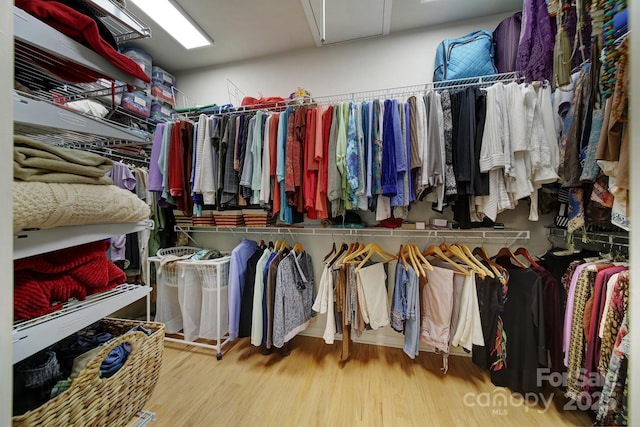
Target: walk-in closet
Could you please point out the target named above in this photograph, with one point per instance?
(319, 212)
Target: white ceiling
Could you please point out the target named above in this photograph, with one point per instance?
(244, 29)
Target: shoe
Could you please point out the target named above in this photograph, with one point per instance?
(285, 350)
(265, 350)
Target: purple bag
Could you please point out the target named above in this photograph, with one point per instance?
(506, 38)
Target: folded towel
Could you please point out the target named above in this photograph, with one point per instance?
(36, 161)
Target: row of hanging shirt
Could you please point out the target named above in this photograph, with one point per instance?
(594, 148)
(271, 291)
(596, 342)
(478, 150)
(129, 251)
(500, 309)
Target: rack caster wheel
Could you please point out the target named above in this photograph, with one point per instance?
(219, 356)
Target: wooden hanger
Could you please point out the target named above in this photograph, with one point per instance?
(331, 252)
(298, 248)
(285, 245)
(436, 251)
(370, 250)
(525, 253)
(457, 252)
(506, 253)
(402, 258)
(500, 271)
(421, 259)
(473, 259)
(417, 265)
(339, 253)
(339, 261)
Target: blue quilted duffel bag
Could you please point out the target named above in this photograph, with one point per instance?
(468, 56)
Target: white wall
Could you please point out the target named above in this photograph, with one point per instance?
(6, 229)
(384, 62)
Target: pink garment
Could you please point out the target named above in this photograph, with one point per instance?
(436, 308)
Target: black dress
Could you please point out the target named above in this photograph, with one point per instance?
(246, 296)
(523, 319)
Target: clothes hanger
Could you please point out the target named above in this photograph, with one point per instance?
(298, 248)
(465, 250)
(402, 258)
(415, 263)
(339, 261)
(506, 252)
(436, 251)
(339, 253)
(500, 271)
(420, 258)
(373, 250)
(370, 249)
(525, 253)
(333, 251)
(457, 252)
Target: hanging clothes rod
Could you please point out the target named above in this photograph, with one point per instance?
(388, 93)
(420, 89)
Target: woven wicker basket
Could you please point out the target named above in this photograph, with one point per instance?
(114, 401)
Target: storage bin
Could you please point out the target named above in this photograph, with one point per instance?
(162, 77)
(160, 112)
(113, 401)
(137, 103)
(141, 57)
(163, 93)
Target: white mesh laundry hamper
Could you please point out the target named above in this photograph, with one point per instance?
(167, 304)
(214, 277)
(202, 293)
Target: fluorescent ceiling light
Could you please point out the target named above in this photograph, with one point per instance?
(174, 22)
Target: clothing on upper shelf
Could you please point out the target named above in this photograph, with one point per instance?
(83, 29)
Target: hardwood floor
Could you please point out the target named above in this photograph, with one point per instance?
(378, 386)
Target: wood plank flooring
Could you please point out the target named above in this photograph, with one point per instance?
(378, 386)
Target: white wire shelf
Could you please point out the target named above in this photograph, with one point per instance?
(43, 43)
(31, 336)
(598, 241)
(50, 123)
(472, 234)
(33, 242)
(124, 25)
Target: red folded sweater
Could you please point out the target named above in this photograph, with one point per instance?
(44, 282)
(81, 28)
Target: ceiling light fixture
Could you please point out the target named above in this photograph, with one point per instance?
(175, 22)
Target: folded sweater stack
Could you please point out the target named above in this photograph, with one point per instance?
(44, 282)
